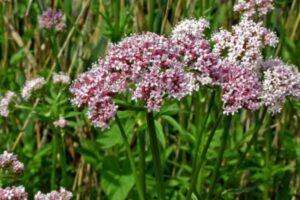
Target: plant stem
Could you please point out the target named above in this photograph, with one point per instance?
(129, 154)
(54, 155)
(63, 162)
(252, 140)
(220, 155)
(197, 163)
(142, 160)
(155, 155)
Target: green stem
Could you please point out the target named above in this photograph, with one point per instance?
(142, 160)
(249, 145)
(129, 154)
(63, 161)
(195, 171)
(220, 156)
(151, 10)
(54, 155)
(202, 159)
(155, 155)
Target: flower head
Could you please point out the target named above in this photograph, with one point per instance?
(243, 45)
(241, 88)
(280, 81)
(60, 123)
(61, 78)
(31, 86)
(5, 102)
(147, 65)
(62, 194)
(252, 7)
(13, 193)
(10, 161)
(52, 19)
(195, 50)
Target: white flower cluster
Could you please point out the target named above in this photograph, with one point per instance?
(5, 102)
(31, 86)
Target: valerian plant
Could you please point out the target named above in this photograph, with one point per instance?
(220, 90)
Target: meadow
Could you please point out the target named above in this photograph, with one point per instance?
(149, 99)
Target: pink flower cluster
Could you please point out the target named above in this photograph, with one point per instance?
(147, 65)
(280, 81)
(253, 7)
(31, 86)
(241, 88)
(243, 45)
(52, 19)
(5, 102)
(9, 161)
(189, 37)
(62, 194)
(60, 123)
(61, 78)
(13, 193)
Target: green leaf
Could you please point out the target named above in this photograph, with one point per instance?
(117, 180)
(110, 137)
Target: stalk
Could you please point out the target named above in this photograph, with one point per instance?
(202, 158)
(129, 154)
(54, 161)
(63, 162)
(155, 155)
(142, 161)
(251, 142)
(196, 155)
(220, 156)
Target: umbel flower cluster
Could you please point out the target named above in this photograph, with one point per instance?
(152, 67)
(52, 19)
(9, 162)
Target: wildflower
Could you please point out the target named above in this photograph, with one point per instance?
(243, 45)
(13, 193)
(60, 123)
(241, 88)
(191, 27)
(189, 37)
(5, 102)
(52, 19)
(148, 65)
(62, 194)
(279, 81)
(31, 86)
(252, 7)
(10, 161)
(61, 78)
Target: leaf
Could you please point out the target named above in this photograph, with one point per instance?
(186, 135)
(160, 133)
(110, 137)
(17, 57)
(117, 180)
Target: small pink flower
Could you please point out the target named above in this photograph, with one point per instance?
(61, 123)
(13, 193)
(244, 44)
(61, 78)
(252, 7)
(52, 19)
(5, 102)
(279, 81)
(31, 86)
(241, 88)
(62, 194)
(10, 161)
